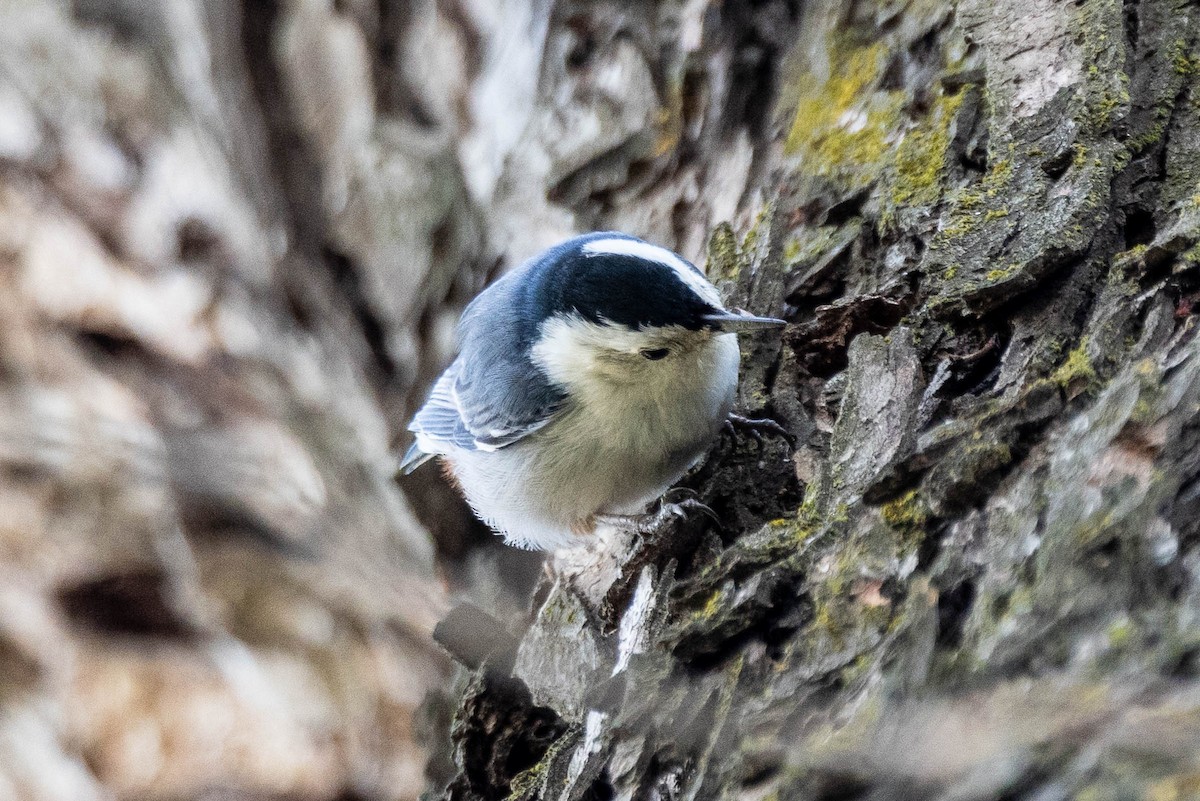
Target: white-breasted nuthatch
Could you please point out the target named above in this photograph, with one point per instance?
(588, 381)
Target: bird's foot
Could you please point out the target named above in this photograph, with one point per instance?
(658, 538)
(676, 504)
(756, 427)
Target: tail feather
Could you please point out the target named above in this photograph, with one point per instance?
(414, 458)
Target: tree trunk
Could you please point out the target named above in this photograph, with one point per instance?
(975, 575)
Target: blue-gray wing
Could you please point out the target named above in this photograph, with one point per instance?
(492, 395)
(502, 395)
(485, 408)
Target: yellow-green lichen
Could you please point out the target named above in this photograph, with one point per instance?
(986, 457)
(1094, 529)
(1178, 787)
(965, 204)
(906, 515)
(1125, 261)
(798, 529)
(1076, 369)
(856, 670)
(1152, 136)
(922, 155)
(1121, 632)
(712, 605)
(817, 242)
(723, 257)
(527, 780)
(841, 124)
(1000, 173)
(1104, 93)
(750, 240)
(791, 250)
(1147, 409)
(1183, 63)
(1191, 256)
(668, 126)
(1111, 101)
(1133, 254)
(1000, 273)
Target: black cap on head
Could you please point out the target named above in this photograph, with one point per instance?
(623, 280)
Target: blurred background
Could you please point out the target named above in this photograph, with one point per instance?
(234, 241)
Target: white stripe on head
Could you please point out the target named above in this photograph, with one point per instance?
(644, 250)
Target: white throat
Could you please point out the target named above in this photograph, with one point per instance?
(601, 368)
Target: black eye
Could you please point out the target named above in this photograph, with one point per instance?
(656, 354)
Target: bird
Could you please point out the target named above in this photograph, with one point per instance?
(588, 380)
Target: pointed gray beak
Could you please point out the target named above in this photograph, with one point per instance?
(740, 322)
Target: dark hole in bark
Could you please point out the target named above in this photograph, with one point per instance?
(1056, 165)
(953, 607)
(122, 19)
(351, 795)
(1000, 604)
(1131, 22)
(394, 94)
(1108, 548)
(693, 96)
(760, 768)
(974, 161)
(132, 603)
(109, 345)
(840, 787)
(195, 239)
(298, 308)
(528, 750)
(976, 358)
(782, 611)
(845, 210)
(892, 79)
(581, 52)
(1139, 227)
(1186, 665)
(599, 790)
(206, 518)
(929, 550)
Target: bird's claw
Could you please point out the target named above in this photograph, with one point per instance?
(756, 427)
(678, 494)
(667, 511)
(685, 506)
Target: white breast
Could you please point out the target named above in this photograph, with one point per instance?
(618, 447)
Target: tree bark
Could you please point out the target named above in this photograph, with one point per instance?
(975, 575)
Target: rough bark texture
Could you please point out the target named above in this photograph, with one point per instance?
(976, 575)
(234, 238)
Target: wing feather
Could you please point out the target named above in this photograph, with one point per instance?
(492, 395)
(459, 416)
